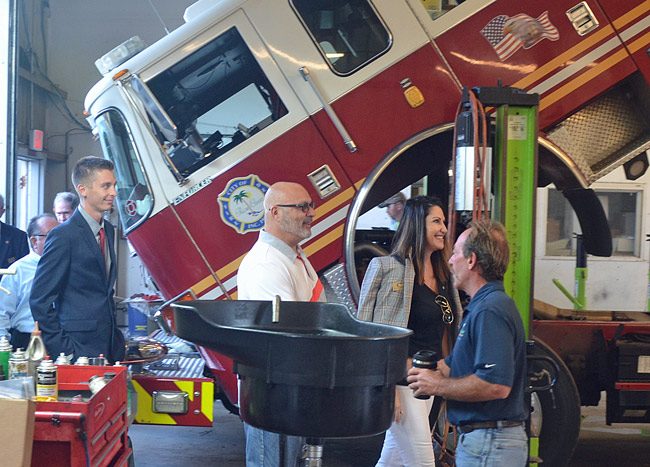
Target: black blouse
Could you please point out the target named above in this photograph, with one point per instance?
(425, 320)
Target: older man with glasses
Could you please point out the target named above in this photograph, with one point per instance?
(276, 265)
(15, 315)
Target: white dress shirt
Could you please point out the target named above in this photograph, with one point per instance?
(14, 307)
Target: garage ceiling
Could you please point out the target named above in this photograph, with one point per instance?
(81, 31)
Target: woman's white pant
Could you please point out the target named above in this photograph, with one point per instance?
(408, 442)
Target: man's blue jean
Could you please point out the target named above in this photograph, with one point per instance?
(493, 447)
(263, 448)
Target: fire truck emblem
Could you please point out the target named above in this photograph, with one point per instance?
(507, 34)
(241, 204)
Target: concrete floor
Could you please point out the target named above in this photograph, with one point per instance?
(618, 445)
(223, 445)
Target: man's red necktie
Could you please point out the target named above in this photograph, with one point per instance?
(102, 242)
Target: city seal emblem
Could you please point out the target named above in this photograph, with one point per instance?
(241, 204)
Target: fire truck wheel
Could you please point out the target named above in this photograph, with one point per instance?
(230, 407)
(559, 413)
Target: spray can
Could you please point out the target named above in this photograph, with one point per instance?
(18, 364)
(46, 380)
(96, 383)
(5, 354)
(82, 361)
(62, 359)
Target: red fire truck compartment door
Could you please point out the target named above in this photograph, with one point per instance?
(175, 397)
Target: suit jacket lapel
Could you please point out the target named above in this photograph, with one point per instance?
(91, 241)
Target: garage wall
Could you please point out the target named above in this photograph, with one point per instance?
(78, 32)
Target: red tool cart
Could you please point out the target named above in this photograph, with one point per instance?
(82, 428)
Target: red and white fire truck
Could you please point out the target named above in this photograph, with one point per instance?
(356, 99)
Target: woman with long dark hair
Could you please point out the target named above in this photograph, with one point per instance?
(411, 288)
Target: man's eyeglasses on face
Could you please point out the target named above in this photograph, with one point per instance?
(447, 314)
(304, 207)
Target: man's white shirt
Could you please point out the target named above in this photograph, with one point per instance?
(273, 268)
(14, 308)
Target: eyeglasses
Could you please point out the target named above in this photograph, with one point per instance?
(39, 235)
(447, 313)
(304, 207)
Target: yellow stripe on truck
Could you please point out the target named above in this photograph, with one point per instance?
(207, 400)
(565, 57)
(583, 79)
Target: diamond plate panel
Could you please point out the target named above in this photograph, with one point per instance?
(605, 134)
(337, 289)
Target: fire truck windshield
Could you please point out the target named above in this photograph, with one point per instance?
(217, 97)
(134, 200)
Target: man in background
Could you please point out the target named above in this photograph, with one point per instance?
(72, 295)
(13, 241)
(16, 320)
(64, 205)
(276, 265)
(394, 208)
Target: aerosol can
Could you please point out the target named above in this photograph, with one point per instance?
(18, 364)
(5, 354)
(46, 381)
(62, 359)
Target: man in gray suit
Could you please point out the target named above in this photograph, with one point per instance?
(72, 295)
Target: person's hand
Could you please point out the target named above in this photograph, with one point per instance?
(397, 414)
(443, 368)
(424, 382)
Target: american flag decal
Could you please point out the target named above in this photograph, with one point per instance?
(507, 34)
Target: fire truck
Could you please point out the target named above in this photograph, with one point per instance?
(356, 100)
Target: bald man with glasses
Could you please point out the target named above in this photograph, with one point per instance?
(276, 265)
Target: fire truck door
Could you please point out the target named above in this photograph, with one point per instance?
(243, 129)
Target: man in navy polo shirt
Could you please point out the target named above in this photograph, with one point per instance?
(483, 379)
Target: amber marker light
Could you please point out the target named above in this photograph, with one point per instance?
(119, 74)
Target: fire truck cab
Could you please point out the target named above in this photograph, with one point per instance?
(355, 99)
